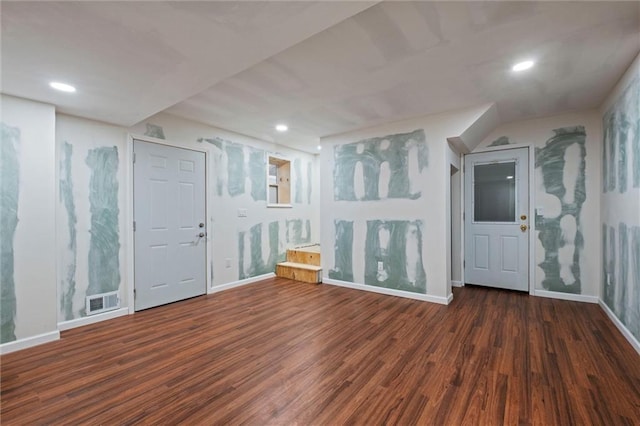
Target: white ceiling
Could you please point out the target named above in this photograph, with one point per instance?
(132, 59)
(321, 67)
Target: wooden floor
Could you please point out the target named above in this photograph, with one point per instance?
(281, 352)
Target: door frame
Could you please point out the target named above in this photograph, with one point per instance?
(532, 208)
(130, 237)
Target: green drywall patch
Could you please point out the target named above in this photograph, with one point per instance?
(258, 174)
(257, 266)
(9, 196)
(343, 248)
(154, 131)
(621, 280)
(295, 233)
(235, 169)
(371, 154)
(104, 243)
(502, 140)
(393, 255)
(68, 284)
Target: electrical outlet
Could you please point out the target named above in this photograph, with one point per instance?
(540, 211)
(227, 262)
(380, 266)
(242, 212)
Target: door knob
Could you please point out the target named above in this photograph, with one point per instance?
(201, 225)
(202, 234)
(523, 217)
(524, 227)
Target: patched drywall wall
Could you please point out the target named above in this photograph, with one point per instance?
(386, 205)
(375, 169)
(248, 244)
(621, 200)
(561, 163)
(27, 212)
(566, 157)
(91, 210)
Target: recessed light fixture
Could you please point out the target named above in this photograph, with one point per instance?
(521, 66)
(63, 87)
(509, 177)
(282, 127)
(319, 147)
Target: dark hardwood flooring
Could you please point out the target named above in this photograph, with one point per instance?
(281, 352)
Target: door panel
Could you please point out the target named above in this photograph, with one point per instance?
(169, 207)
(496, 197)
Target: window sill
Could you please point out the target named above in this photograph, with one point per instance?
(279, 206)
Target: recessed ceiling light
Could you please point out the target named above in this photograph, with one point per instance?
(509, 177)
(63, 87)
(319, 147)
(282, 127)
(521, 66)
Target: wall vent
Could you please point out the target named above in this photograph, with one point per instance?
(104, 302)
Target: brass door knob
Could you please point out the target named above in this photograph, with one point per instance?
(524, 227)
(523, 217)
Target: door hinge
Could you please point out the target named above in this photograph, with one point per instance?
(134, 157)
(134, 226)
(464, 215)
(135, 294)
(464, 263)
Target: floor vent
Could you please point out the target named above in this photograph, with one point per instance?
(102, 302)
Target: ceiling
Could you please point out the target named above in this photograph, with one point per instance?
(321, 67)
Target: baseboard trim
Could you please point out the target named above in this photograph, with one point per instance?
(620, 326)
(566, 296)
(390, 292)
(456, 284)
(29, 342)
(92, 319)
(239, 283)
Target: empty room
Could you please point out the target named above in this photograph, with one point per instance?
(320, 212)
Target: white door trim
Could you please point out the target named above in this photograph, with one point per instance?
(532, 219)
(130, 256)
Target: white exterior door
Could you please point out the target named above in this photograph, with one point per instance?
(497, 219)
(170, 224)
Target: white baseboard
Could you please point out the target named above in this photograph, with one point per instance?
(390, 292)
(624, 330)
(456, 283)
(91, 319)
(29, 342)
(239, 283)
(566, 296)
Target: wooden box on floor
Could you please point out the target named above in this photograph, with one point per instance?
(303, 264)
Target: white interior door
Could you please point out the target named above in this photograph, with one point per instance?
(170, 224)
(497, 219)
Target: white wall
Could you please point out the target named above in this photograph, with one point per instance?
(536, 134)
(28, 131)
